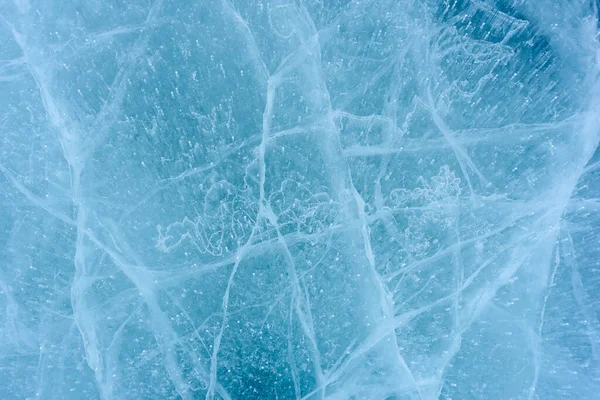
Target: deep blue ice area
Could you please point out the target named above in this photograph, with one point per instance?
(299, 199)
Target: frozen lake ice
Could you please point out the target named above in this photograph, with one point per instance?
(299, 199)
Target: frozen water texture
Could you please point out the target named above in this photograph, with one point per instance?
(299, 199)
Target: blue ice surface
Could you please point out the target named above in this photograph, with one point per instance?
(299, 199)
